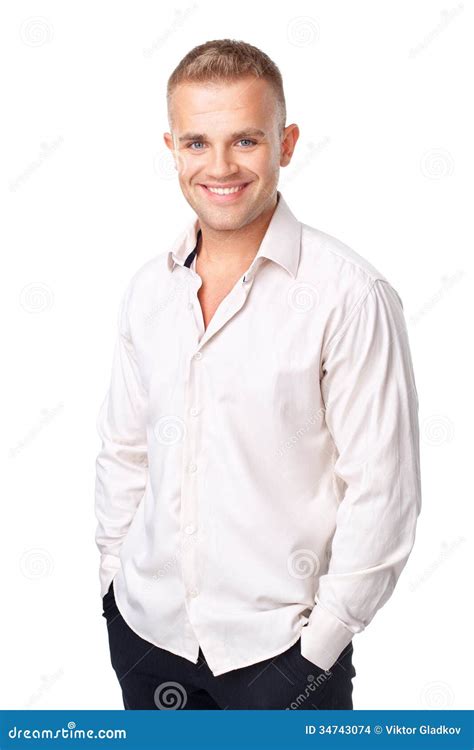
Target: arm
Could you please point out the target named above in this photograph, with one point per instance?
(122, 463)
(371, 411)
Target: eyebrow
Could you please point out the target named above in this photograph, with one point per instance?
(233, 136)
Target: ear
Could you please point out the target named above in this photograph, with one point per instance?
(290, 137)
(168, 139)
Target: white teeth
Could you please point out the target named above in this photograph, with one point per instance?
(226, 191)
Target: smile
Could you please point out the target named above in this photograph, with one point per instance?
(224, 194)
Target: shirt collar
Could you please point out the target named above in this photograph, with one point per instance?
(281, 242)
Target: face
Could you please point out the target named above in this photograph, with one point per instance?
(226, 135)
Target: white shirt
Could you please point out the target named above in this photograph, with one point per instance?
(258, 480)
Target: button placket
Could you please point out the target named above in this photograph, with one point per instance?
(189, 495)
(189, 523)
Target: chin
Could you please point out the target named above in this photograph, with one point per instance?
(222, 224)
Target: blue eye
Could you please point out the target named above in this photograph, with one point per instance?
(200, 143)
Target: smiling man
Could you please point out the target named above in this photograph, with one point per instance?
(258, 484)
(229, 141)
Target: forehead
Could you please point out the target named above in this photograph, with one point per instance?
(223, 105)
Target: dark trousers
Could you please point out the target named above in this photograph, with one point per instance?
(153, 678)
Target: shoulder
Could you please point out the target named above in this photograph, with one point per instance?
(331, 257)
(144, 290)
(344, 279)
(337, 266)
(150, 273)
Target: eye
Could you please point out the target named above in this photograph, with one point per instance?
(248, 141)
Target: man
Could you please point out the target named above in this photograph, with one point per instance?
(258, 484)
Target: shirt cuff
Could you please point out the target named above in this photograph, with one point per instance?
(324, 638)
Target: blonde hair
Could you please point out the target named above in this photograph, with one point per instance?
(227, 60)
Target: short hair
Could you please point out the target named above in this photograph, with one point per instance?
(227, 60)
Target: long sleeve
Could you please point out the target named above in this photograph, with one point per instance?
(122, 463)
(371, 411)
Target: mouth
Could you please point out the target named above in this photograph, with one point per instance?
(228, 194)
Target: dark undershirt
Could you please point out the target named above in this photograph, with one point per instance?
(191, 255)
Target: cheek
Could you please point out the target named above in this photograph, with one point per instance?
(188, 165)
(267, 163)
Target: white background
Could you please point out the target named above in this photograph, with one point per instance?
(382, 96)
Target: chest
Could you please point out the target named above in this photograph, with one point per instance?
(262, 357)
(212, 292)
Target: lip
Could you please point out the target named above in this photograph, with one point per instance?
(231, 198)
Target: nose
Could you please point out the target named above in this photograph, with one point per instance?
(221, 163)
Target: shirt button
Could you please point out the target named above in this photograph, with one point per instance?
(194, 411)
(190, 305)
(192, 467)
(198, 355)
(193, 592)
(190, 529)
